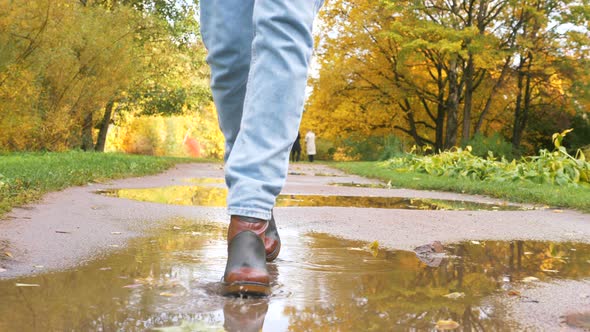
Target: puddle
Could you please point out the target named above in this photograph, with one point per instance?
(216, 196)
(361, 185)
(319, 283)
(205, 181)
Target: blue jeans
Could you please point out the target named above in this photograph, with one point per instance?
(259, 52)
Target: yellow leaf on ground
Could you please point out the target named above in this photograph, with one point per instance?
(530, 279)
(6, 253)
(513, 293)
(166, 294)
(26, 285)
(455, 295)
(446, 325)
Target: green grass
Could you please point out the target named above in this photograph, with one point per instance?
(25, 177)
(523, 192)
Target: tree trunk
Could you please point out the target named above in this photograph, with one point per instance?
(451, 106)
(469, 71)
(440, 113)
(104, 127)
(87, 141)
(518, 110)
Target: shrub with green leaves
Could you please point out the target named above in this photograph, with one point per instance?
(495, 143)
(553, 167)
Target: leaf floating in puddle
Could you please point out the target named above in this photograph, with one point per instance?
(26, 285)
(513, 293)
(455, 295)
(374, 248)
(133, 286)
(530, 279)
(446, 325)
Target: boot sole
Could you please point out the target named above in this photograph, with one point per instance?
(245, 288)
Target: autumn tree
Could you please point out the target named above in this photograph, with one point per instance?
(440, 70)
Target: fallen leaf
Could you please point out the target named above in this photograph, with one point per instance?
(557, 211)
(105, 269)
(166, 294)
(446, 325)
(27, 285)
(528, 253)
(552, 271)
(513, 293)
(8, 254)
(374, 248)
(133, 286)
(455, 295)
(176, 228)
(475, 242)
(530, 279)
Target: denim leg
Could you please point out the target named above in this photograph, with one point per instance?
(227, 31)
(257, 166)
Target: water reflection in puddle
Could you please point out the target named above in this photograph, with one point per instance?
(216, 196)
(319, 283)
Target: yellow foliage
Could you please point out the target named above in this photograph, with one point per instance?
(159, 135)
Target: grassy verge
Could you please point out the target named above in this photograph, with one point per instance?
(25, 177)
(523, 192)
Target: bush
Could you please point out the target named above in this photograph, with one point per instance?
(482, 145)
(557, 167)
(370, 148)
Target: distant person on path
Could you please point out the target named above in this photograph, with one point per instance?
(259, 53)
(310, 145)
(296, 149)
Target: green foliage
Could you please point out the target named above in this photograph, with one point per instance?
(324, 149)
(25, 177)
(373, 147)
(580, 137)
(521, 191)
(557, 167)
(482, 145)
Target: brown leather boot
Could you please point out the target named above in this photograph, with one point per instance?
(245, 272)
(272, 241)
